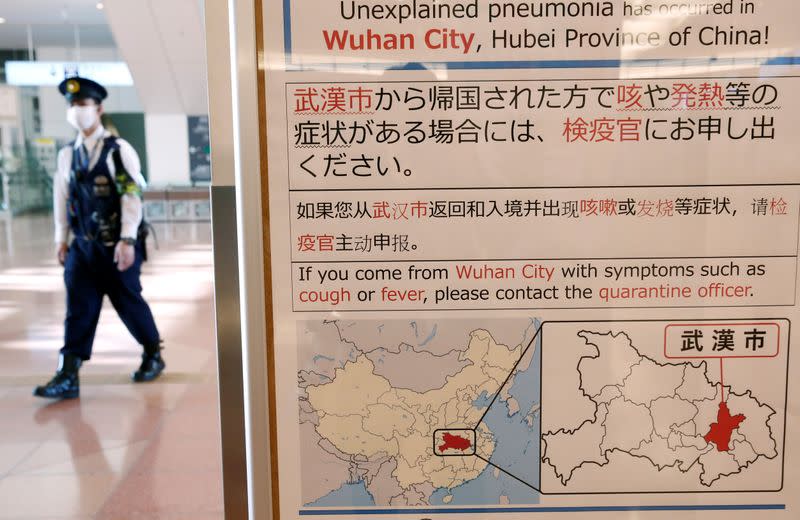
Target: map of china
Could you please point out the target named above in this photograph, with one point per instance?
(671, 415)
(363, 416)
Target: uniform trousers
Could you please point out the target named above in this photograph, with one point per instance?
(90, 274)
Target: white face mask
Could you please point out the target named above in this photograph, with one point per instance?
(82, 117)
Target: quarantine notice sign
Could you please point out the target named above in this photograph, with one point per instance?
(534, 258)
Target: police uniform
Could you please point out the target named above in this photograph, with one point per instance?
(97, 197)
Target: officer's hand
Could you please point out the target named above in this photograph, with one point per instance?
(124, 255)
(61, 252)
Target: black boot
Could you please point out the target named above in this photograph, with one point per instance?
(152, 364)
(64, 384)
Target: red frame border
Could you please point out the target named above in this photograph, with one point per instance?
(732, 322)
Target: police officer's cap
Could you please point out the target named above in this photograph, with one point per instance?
(82, 88)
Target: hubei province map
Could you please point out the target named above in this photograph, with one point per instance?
(493, 412)
(649, 424)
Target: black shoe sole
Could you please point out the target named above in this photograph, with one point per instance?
(142, 378)
(72, 394)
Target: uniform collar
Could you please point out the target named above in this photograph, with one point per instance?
(99, 133)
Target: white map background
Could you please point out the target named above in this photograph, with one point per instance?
(620, 417)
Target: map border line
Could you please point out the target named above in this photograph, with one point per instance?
(489, 462)
(785, 412)
(511, 373)
(543, 509)
(531, 343)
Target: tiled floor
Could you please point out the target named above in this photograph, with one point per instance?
(121, 451)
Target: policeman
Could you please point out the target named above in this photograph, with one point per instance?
(97, 196)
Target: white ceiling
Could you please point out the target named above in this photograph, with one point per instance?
(52, 12)
(162, 41)
(53, 23)
(14, 36)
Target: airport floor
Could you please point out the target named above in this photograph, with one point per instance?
(122, 451)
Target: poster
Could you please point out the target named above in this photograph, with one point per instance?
(199, 149)
(534, 257)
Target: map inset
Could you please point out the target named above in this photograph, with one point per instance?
(419, 413)
(614, 406)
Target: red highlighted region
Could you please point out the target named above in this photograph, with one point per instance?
(720, 432)
(454, 442)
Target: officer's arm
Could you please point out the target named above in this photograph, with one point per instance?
(61, 194)
(131, 190)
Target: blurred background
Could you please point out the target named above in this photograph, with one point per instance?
(121, 451)
(150, 55)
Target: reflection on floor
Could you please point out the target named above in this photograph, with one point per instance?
(121, 451)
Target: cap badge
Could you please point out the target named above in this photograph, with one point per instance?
(73, 86)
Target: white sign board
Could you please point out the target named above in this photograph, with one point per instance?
(534, 257)
(47, 73)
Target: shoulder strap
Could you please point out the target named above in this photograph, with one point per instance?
(113, 146)
(125, 184)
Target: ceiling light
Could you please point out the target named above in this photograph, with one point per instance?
(2, 20)
(100, 5)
